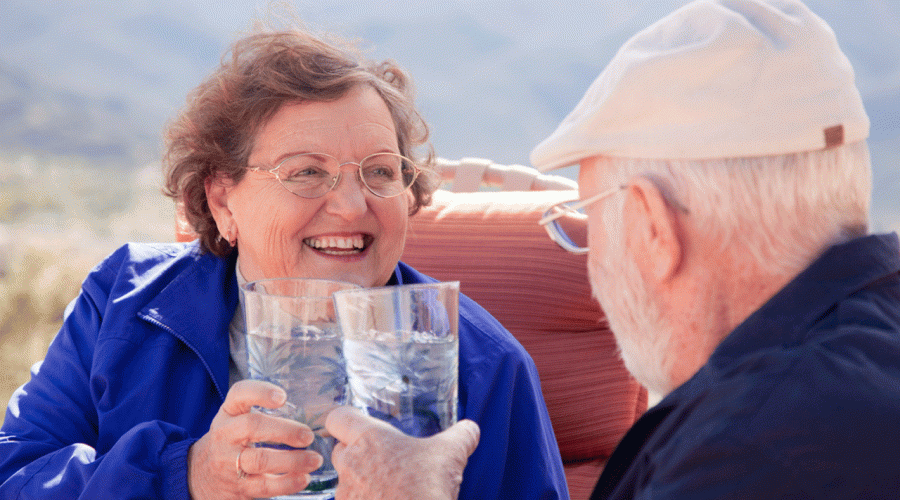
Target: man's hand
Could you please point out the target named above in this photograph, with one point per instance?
(375, 461)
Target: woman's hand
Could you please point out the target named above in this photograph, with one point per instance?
(375, 461)
(223, 464)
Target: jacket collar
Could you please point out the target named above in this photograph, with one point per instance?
(197, 306)
(839, 272)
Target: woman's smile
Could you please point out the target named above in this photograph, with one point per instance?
(339, 245)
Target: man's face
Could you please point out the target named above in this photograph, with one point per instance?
(634, 316)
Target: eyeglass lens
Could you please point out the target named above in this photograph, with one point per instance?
(570, 230)
(312, 175)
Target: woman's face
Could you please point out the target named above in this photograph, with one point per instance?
(348, 234)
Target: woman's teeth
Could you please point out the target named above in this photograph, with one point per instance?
(337, 244)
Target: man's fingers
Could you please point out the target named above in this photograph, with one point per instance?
(347, 424)
(464, 434)
(246, 394)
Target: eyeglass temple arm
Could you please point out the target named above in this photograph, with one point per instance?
(561, 211)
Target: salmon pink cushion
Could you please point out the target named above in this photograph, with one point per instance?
(492, 244)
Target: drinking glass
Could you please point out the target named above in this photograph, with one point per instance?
(293, 341)
(401, 345)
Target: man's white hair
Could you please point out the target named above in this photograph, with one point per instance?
(782, 210)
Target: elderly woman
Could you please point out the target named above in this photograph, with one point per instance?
(293, 159)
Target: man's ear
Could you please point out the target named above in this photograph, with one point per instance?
(217, 191)
(653, 230)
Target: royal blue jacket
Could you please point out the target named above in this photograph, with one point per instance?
(801, 400)
(140, 367)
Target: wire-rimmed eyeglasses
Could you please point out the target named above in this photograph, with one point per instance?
(572, 212)
(311, 175)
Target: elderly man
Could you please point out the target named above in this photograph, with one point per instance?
(726, 182)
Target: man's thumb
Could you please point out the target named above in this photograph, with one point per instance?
(465, 434)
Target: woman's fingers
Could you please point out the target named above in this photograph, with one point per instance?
(267, 485)
(227, 458)
(262, 460)
(238, 423)
(257, 427)
(246, 394)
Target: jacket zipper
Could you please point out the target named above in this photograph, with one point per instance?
(191, 347)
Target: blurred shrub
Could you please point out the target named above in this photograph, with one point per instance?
(42, 278)
(58, 218)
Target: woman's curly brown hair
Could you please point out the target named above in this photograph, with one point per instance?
(213, 135)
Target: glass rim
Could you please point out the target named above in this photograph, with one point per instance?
(249, 286)
(386, 289)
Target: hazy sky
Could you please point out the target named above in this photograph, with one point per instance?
(494, 77)
(494, 103)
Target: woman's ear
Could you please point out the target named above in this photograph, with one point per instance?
(653, 229)
(217, 191)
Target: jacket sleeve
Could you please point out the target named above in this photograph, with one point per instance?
(49, 440)
(517, 457)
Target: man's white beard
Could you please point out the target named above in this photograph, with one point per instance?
(643, 338)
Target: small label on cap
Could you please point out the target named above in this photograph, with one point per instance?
(834, 136)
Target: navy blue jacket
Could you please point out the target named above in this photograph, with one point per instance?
(802, 400)
(140, 367)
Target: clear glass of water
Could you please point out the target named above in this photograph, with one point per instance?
(293, 341)
(401, 346)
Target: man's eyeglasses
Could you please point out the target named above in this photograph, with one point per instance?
(565, 222)
(311, 175)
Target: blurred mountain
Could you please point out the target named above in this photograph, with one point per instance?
(100, 79)
(97, 79)
(63, 122)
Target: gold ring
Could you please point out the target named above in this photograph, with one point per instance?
(237, 466)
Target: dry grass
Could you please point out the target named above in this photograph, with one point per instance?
(43, 277)
(58, 219)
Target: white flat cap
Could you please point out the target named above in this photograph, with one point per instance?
(716, 79)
